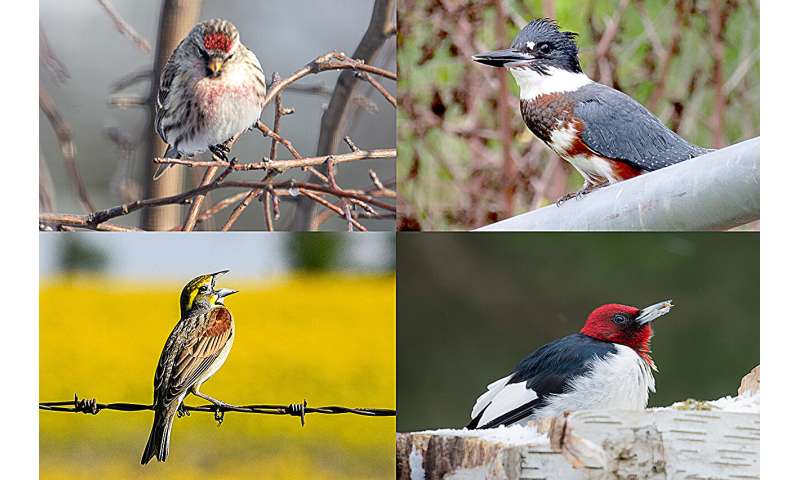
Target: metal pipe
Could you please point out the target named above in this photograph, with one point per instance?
(716, 191)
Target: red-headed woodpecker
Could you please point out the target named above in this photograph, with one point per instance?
(605, 366)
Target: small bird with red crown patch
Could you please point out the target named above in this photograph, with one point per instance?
(607, 365)
(195, 350)
(212, 89)
(606, 135)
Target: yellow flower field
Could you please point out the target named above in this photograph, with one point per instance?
(328, 338)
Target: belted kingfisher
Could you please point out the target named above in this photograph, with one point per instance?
(605, 366)
(606, 135)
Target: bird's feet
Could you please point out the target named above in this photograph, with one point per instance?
(589, 188)
(585, 190)
(566, 197)
(220, 151)
(182, 412)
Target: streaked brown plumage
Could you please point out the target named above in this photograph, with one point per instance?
(194, 351)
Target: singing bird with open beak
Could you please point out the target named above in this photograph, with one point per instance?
(195, 350)
(607, 365)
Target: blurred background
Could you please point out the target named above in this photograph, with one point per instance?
(693, 63)
(314, 320)
(86, 65)
(472, 306)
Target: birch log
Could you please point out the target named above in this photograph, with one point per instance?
(650, 444)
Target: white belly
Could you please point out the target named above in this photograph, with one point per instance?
(595, 170)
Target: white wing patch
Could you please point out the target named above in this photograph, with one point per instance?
(501, 398)
(491, 391)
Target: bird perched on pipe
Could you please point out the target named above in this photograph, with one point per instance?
(195, 350)
(212, 89)
(607, 365)
(606, 135)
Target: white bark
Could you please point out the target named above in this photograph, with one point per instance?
(650, 444)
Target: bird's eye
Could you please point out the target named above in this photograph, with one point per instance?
(204, 289)
(619, 319)
(202, 53)
(545, 48)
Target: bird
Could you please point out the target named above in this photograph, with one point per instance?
(603, 133)
(194, 351)
(607, 365)
(212, 89)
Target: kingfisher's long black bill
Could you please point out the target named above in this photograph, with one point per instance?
(647, 315)
(507, 58)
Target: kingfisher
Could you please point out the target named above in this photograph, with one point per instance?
(606, 135)
(607, 365)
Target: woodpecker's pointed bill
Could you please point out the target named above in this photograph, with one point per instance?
(606, 135)
(607, 365)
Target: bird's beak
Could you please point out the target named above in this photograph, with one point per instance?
(647, 315)
(215, 66)
(222, 293)
(215, 275)
(508, 58)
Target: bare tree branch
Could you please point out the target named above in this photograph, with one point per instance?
(64, 135)
(124, 28)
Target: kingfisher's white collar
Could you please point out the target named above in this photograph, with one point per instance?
(533, 84)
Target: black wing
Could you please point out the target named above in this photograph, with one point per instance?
(547, 372)
(618, 127)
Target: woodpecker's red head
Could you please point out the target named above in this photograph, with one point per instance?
(626, 325)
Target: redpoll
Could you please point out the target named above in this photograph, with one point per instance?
(212, 88)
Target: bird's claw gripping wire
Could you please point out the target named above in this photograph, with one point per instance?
(182, 411)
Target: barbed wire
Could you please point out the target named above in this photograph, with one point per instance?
(92, 406)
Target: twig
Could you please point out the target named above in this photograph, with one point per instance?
(324, 63)
(381, 27)
(283, 165)
(48, 57)
(93, 220)
(197, 202)
(266, 201)
(380, 88)
(59, 220)
(64, 135)
(124, 28)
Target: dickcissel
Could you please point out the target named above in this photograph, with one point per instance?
(196, 348)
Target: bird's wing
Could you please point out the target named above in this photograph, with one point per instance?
(196, 354)
(616, 126)
(168, 73)
(543, 373)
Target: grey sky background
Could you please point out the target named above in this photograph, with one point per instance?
(169, 256)
(284, 35)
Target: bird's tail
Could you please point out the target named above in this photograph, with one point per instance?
(158, 443)
(171, 152)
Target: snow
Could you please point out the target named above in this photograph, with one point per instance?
(513, 435)
(745, 403)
